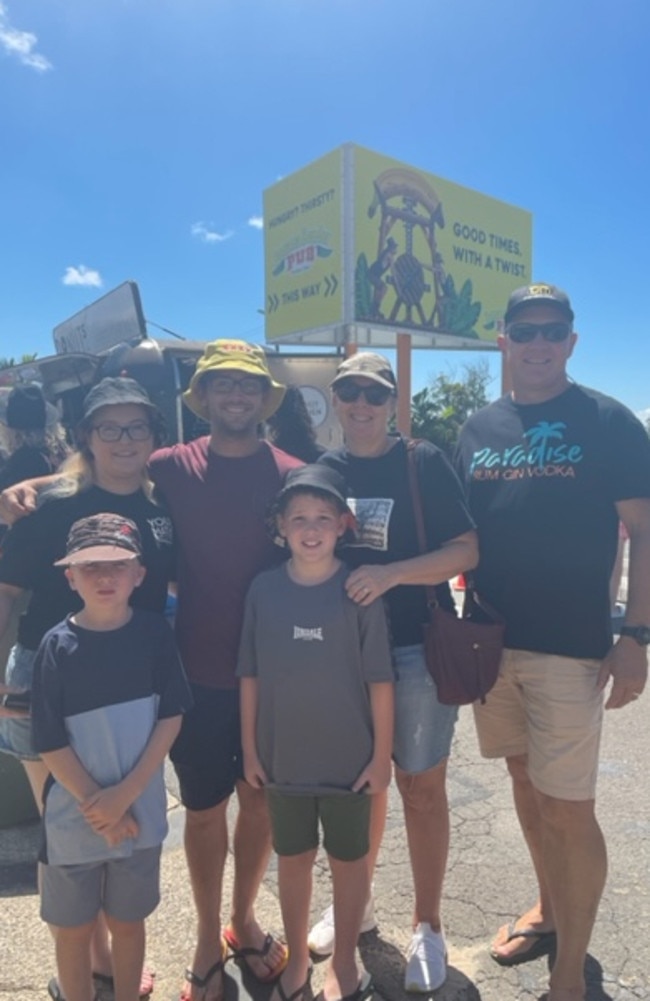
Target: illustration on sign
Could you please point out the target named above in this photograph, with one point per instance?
(419, 265)
(359, 240)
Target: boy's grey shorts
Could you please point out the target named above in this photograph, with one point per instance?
(127, 889)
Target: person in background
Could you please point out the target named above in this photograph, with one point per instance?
(550, 470)
(36, 442)
(291, 429)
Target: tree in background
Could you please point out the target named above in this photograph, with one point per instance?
(11, 362)
(439, 411)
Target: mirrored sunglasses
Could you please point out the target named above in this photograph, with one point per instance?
(524, 333)
(375, 395)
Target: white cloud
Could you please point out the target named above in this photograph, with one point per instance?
(256, 221)
(81, 275)
(644, 415)
(205, 232)
(21, 44)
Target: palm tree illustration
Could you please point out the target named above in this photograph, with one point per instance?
(542, 433)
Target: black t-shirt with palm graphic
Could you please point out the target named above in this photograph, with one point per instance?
(542, 482)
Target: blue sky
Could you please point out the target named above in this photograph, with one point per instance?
(138, 136)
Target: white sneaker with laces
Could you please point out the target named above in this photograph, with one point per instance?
(321, 937)
(426, 960)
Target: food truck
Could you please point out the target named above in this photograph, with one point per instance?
(109, 338)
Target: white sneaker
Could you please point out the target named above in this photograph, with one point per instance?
(321, 937)
(426, 960)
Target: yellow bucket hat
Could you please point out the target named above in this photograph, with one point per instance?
(242, 357)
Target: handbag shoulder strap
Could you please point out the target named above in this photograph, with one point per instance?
(416, 501)
(471, 597)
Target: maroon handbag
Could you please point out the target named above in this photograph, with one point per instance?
(462, 654)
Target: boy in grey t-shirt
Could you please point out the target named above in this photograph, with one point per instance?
(317, 721)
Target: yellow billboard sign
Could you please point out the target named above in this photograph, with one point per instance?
(360, 247)
(302, 250)
(431, 255)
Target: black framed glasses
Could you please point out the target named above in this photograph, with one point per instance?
(249, 385)
(135, 431)
(349, 391)
(524, 333)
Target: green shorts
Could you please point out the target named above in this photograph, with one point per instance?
(345, 820)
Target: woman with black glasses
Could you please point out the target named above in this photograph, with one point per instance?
(386, 560)
(119, 430)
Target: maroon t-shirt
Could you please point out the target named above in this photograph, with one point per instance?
(218, 505)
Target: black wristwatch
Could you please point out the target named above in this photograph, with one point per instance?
(639, 633)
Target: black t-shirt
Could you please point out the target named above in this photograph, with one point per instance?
(26, 463)
(33, 545)
(381, 499)
(542, 482)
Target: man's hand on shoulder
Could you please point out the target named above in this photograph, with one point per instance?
(627, 665)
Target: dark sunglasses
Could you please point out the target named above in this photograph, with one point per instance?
(375, 395)
(524, 333)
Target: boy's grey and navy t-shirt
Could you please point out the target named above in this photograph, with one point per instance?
(313, 652)
(101, 694)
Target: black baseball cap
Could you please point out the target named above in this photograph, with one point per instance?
(112, 391)
(532, 295)
(315, 476)
(102, 538)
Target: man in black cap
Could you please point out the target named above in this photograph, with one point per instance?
(550, 470)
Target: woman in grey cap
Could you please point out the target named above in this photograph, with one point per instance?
(387, 561)
(119, 429)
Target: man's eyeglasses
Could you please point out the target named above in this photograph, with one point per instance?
(136, 431)
(524, 333)
(375, 395)
(249, 385)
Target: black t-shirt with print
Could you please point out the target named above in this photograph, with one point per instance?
(34, 543)
(542, 481)
(381, 499)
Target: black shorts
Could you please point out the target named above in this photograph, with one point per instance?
(207, 754)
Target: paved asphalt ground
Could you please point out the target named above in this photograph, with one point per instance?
(488, 883)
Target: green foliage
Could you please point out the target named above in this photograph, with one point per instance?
(458, 312)
(11, 362)
(439, 411)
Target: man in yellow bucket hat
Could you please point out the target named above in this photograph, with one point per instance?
(218, 488)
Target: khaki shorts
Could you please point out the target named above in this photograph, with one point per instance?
(548, 708)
